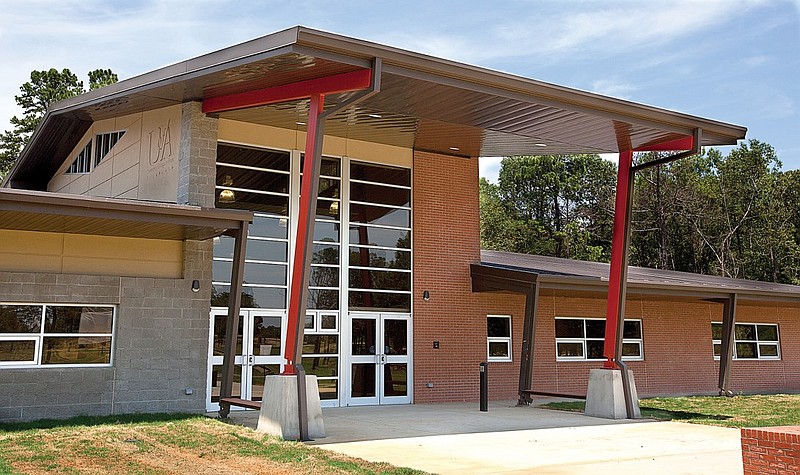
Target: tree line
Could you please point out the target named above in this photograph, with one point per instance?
(733, 215)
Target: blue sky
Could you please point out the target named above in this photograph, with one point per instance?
(736, 61)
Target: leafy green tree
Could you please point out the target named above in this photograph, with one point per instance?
(44, 88)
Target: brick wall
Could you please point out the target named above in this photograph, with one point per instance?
(677, 331)
(446, 240)
(771, 450)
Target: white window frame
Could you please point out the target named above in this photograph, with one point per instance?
(499, 339)
(582, 341)
(757, 342)
(39, 337)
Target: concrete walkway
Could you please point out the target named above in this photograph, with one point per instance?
(457, 438)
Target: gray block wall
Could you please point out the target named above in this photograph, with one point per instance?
(160, 349)
(160, 345)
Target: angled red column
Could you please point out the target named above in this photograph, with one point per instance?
(615, 309)
(304, 238)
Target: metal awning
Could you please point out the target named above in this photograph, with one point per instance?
(24, 210)
(508, 271)
(427, 103)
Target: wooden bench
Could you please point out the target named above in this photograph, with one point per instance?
(532, 392)
(235, 401)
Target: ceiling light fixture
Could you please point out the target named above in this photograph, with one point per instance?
(540, 144)
(455, 149)
(227, 195)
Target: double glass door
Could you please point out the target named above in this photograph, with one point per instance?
(379, 359)
(258, 353)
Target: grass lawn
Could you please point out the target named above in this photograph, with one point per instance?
(739, 411)
(164, 444)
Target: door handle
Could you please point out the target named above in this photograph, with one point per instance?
(250, 360)
(382, 359)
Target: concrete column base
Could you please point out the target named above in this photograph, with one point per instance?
(279, 408)
(605, 396)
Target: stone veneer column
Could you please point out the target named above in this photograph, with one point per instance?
(198, 155)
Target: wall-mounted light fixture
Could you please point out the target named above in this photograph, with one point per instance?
(426, 295)
(226, 195)
(195, 286)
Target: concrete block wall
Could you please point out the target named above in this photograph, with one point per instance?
(771, 450)
(197, 163)
(160, 348)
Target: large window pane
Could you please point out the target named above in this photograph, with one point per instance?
(326, 231)
(274, 160)
(745, 332)
(266, 250)
(767, 333)
(746, 350)
(365, 235)
(379, 301)
(569, 328)
(252, 179)
(319, 299)
(325, 254)
(366, 257)
(632, 329)
(380, 215)
(76, 350)
(320, 344)
(321, 366)
(324, 277)
(380, 174)
(266, 335)
(380, 194)
(381, 280)
(498, 327)
(768, 350)
(328, 388)
(328, 167)
(271, 204)
(269, 227)
(78, 319)
(269, 274)
(631, 349)
(594, 349)
(716, 331)
(252, 297)
(569, 350)
(22, 351)
(498, 349)
(20, 318)
(595, 328)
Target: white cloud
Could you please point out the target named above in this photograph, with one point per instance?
(613, 87)
(489, 167)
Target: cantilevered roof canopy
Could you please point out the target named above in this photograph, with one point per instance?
(510, 270)
(427, 103)
(24, 210)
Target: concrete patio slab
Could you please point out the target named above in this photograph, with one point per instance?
(457, 438)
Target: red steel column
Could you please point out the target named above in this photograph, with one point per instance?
(298, 292)
(617, 278)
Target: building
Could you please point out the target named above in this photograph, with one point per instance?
(122, 222)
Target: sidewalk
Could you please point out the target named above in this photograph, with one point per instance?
(457, 438)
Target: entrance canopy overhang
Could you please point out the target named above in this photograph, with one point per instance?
(425, 103)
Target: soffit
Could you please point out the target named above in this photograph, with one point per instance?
(24, 210)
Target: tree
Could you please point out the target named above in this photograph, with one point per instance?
(44, 88)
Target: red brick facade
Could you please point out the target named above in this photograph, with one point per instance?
(677, 347)
(771, 450)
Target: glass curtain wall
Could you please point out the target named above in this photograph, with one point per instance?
(371, 202)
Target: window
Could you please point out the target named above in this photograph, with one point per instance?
(753, 341)
(579, 339)
(498, 336)
(46, 335)
(82, 163)
(103, 143)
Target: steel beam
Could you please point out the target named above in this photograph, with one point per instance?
(528, 340)
(352, 81)
(727, 344)
(232, 322)
(617, 279)
(304, 240)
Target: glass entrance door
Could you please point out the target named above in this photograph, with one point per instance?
(379, 359)
(259, 357)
